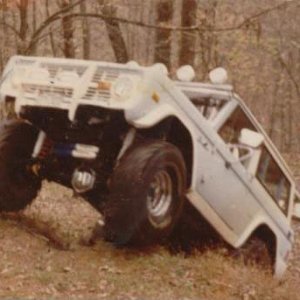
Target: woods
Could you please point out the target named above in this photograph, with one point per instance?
(106, 157)
(258, 43)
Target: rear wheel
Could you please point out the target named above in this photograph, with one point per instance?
(18, 183)
(146, 194)
(255, 251)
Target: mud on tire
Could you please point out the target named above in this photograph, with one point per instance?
(18, 185)
(146, 194)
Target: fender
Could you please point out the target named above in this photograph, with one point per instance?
(258, 221)
(157, 113)
(282, 244)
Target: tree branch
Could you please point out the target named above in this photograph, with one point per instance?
(58, 15)
(54, 17)
(196, 27)
(12, 28)
(289, 73)
(257, 16)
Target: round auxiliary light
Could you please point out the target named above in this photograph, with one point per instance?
(16, 80)
(17, 76)
(218, 76)
(185, 73)
(132, 64)
(161, 68)
(122, 88)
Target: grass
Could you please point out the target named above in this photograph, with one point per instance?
(32, 264)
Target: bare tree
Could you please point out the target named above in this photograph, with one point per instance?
(207, 49)
(51, 36)
(24, 26)
(4, 34)
(164, 10)
(40, 34)
(114, 32)
(34, 19)
(188, 39)
(68, 31)
(86, 34)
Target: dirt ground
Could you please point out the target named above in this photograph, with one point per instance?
(45, 254)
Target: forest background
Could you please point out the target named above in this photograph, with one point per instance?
(257, 42)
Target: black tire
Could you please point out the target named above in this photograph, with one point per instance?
(146, 195)
(255, 251)
(18, 184)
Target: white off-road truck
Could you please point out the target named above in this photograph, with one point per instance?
(137, 145)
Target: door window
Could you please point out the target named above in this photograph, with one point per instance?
(231, 130)
(274, 180)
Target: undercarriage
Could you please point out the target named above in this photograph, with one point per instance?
(79, 154)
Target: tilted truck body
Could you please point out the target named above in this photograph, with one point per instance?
(137, 141)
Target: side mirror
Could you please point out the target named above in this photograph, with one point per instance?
(251, 138)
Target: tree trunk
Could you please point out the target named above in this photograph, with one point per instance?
(23, 30)
(34, 23)
(86, 34)
(68, 32)
(51, 37)
(115, 34)
(163, 36)
(188, 39)
(4, 42)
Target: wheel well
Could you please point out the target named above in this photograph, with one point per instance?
(264, 233)
(173, 131)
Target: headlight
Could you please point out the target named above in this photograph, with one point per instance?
(123, 88)
(67, 77)
(38, 74)
(17, 76)
(22, 73)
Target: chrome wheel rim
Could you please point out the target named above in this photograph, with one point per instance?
(159, 196)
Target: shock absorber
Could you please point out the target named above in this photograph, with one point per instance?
(83, 179)
(45, 146)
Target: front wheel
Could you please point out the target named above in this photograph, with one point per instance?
(146, 194)
(18, 184)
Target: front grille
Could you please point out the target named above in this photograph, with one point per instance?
(52, 90)
(97, 85)
(55, 68)
(103, 74)
(107, 76)
(25, 62)
(94, 93)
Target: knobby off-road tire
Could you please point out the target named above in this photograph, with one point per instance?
(18, 184)
(147, 195)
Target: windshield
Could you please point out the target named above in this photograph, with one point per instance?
(209, 107)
